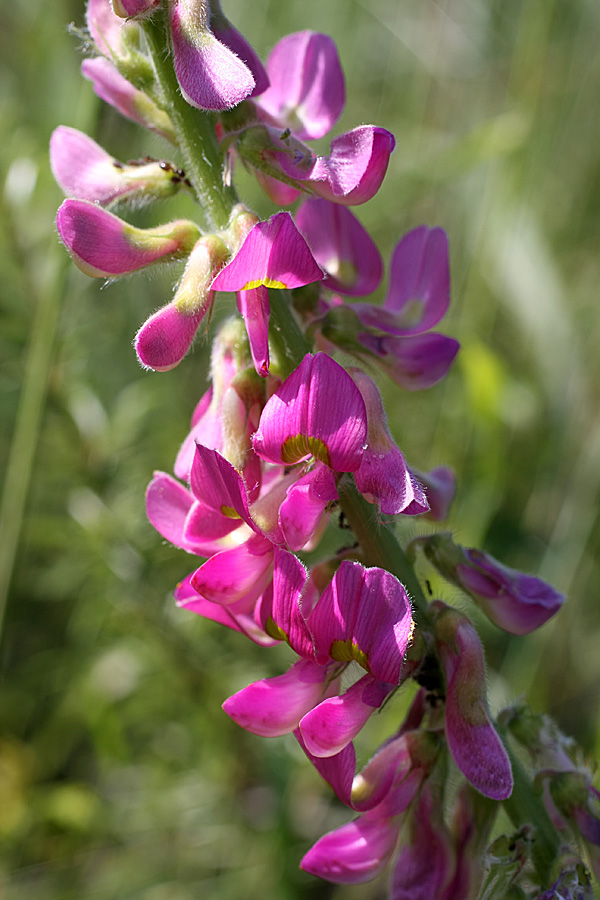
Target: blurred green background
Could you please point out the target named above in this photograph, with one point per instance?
(120, 776)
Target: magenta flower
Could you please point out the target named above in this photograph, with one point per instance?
(104, 246)
(306, 92)
(317, 411)
(418, 295)
(473, 741)
(211, 75)
(341, 246)
(414, 362)
(114, 89)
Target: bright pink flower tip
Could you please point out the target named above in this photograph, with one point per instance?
(165, 338)
(318, 411)
(307, 90)
(355, 853)
(210, 75)
(341, 246)
(363, 615)
(274, 706)
(274, 255)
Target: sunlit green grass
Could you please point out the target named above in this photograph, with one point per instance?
(120, 777)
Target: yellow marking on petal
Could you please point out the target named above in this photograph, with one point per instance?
(274, 631)
(346, 651)
(229, 512)
(298, 446)
(267, 282)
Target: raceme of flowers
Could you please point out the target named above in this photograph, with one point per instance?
(277, 441)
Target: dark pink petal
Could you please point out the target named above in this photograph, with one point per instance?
(516, 602)
(477, 750)
(104, 246)
(352, 173)
(165, 338)
(215, 481)
(115, 90)
(364, 615)
(224, 31)
(232, 574)
(307, 90)
(274, 706)
(355, 853)
(307, 499)
(238, 616)
(419, 293)
(341, 246)
(333, 724)
(288, 615)
(204, 527)
(414, 362)
(317, 411)
(279, 192)
(274, 254)
(210, 75)
(254, 308)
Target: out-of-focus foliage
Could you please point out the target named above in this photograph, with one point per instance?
(120, 777)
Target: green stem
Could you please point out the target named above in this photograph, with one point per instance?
(195, 132)
(380, 545)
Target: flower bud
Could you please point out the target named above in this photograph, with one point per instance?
(477, 750)
(85, 171)
(516, 602)
(104, 246)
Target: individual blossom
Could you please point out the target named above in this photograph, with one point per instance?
(514, 601)
(472, 739)
(104, 246)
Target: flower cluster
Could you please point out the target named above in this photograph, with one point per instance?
(286, 439)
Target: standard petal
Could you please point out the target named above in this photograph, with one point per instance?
(274, 254)
(317, 411)
(307, 91)
(341, 246)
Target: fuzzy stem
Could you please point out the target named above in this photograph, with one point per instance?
(195, 131)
